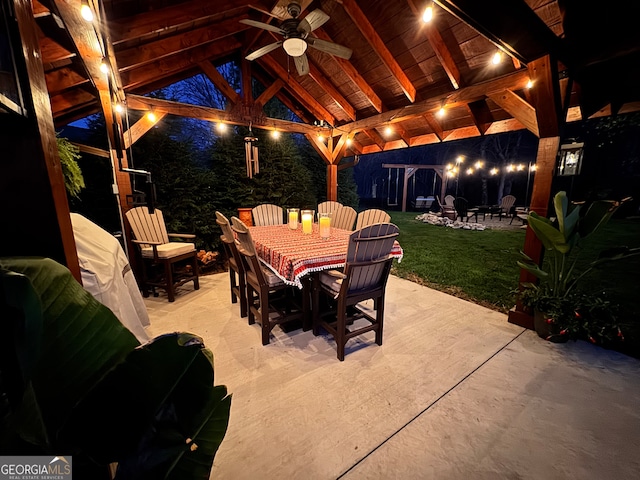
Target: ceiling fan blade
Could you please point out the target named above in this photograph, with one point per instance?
(262, 51)
(302, 64)
(264, 26)
(315, 19)
(329, 47)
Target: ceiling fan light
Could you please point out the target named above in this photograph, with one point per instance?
(294, 47)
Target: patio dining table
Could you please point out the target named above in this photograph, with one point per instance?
(292, 255)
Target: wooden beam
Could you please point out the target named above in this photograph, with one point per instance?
(301, 93)
(136, 102)
(518, 108)
(319, 147)
(333, 92)
(481, 115)
(404, 135)
(362, 22)
(348, 68)
(269, 92)
(220, 82)
(514, 81)
(373, 134)
(439, 47)
(435, 125)
(340, 148)
(141, 127)
(63, 79)
(97, 152)
(545, 95)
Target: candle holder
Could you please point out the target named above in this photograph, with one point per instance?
(292, 216)
(307, 221)
(324, 225)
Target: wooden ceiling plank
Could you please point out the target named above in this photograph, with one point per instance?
(137, 102)
(348, 68)
(376, 137)
(177, 44)
(220, 82)
(515, 81)
(518, 108)
(440, 48)
(362, 22)
(163, 68)
(404, 135)
(64, 79)
(291, 84)
(142, 126)
(333, 92)
(171, 18)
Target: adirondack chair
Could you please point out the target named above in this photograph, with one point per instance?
(156, 250)
(237, 282)
(371, 216)
(364, 277)
(266, 292)
(328, 206)
(267, 214)
(343, 217)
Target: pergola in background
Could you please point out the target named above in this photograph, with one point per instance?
(566, 62)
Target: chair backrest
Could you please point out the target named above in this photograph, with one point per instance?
(147, 226)
(507, 202)
(225, 226)
(371, 216)
(328, 206)
(267, 214)
(344, 217)
(448, 200)
(461, 205)
(246, 247)
(368, 257)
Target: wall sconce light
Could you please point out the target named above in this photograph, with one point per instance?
(570, 161)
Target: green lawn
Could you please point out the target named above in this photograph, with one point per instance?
(481, 266)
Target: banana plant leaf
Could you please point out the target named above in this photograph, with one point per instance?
(550, 236)
(80, 340)
(93, 391)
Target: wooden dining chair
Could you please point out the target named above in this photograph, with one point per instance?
(267, 214)
(237, 283)
(364, 278)
(328, 206)
(344, 217)
(270, 301)
(157, 251)
(371, 216)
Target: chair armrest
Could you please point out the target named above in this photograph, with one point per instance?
(335, 273)
(147, 242)
(182, 235)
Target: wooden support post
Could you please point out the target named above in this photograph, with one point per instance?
(332, 182)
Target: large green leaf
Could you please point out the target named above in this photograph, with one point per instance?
(560, 204)
(550, 236)
(596, 216)
(81, 339)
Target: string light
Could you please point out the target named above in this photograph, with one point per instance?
(348, 142)
(497, 58)
(493, 171)
(119, 108)
(529, 84)
(510, 168)
(520, 167)
(460, 159)
(469, 171)
(221, 127)
(533, 167)
(441, 112)
(275, 134)
(427, 16)
(151, 116)
(104, 66)
(86, 12)
(479, 164)
(388, 131)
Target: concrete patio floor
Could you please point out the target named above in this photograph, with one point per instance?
(455, 392)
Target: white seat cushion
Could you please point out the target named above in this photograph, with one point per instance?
(332, 280)
(169, 250)
(271, 278)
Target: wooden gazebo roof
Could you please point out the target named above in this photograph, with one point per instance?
(401, 72)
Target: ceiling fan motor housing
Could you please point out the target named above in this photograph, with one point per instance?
(294, 9)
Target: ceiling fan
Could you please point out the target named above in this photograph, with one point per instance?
(297, 39)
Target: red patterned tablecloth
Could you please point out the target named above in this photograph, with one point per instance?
(292, 255)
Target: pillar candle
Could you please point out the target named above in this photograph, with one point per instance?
(307, 222)
(325, 226)
(293, 220)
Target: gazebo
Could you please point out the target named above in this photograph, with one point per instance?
(373, 76)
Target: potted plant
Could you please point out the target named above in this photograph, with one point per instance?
(563, 307)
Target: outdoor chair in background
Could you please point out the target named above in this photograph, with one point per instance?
(267, 214)
(158, 253)
(364, 277)
(344, 217)
(328, 206)
(371, 216)
(237, 283)
(463, 211)
(270, 301)
(506, 205)
(445, 210)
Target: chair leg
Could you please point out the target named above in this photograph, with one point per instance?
(242, 288)
(196, 280)
(168, 278)
(264, 315)
(251, 318)
(232, 284)
(341, 326)
(380, 319)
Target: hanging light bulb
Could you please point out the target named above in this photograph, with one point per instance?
(151, 116)
(460, 159)
(479, 164)
(221, 127)
(493, 171)
(388, 131)
(275, 134)
(497, 58)
(533, 167)
(520, 167)
(85, 11)
(511, 168)
(441, 112)
(119, 108)
(469, 171)
(348, 142)
(427, 16)
(530, 84)
(104, 66)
